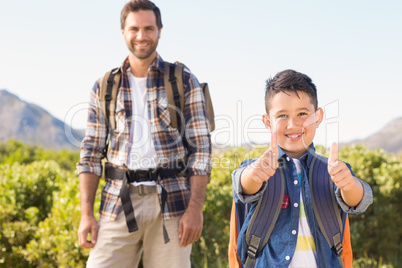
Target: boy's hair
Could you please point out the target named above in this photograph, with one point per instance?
(290, 81)
(136, 5)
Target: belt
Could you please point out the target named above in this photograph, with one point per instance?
(142, 175)
(132, 176)
(142, 189)
(128, 176)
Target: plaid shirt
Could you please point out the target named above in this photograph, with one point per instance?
(167, 140)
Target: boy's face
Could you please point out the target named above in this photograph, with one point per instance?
(295, 120)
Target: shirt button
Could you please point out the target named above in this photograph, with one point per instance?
(294, 232)
(287, 258)
(287, 158)
(296, 205)
(295, 182)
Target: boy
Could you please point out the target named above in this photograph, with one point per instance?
(296, 239)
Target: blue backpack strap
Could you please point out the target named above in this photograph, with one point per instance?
(326, 210)
(241, 214)
(265, 214)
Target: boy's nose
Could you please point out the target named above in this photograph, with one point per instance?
(293, 123)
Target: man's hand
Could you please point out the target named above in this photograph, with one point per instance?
(262, 169)
(190, 226)
(351, 187)
(88, 225)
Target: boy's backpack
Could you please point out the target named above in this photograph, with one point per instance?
(333, 222)
(174, 88)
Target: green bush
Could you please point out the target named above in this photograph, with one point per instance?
(377, 234)
(56, 242)
(13, 151)
(25, 199)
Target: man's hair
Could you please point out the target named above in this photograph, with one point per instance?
(136, 5)
(290, 81)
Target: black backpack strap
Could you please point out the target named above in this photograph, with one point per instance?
(108, 96)
(128, 206)
(326, 210)
(176, 95)
(265, 214)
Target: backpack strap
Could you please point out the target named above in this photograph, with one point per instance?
(210, 107)
(325, 207)
(265, 214)
(174, 90)
(108, 95)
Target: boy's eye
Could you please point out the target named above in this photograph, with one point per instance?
(302, 113)
(282, 116)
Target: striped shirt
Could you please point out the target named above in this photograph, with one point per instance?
(167, 140)
(304, 256)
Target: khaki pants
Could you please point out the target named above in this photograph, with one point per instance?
(117, 248)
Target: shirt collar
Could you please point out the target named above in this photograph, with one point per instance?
(305, 159)
(157, 63)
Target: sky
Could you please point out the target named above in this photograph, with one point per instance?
(52, 52)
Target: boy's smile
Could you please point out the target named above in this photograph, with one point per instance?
(294, 120)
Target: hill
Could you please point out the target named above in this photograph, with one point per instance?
(389, 138)
(33, 125)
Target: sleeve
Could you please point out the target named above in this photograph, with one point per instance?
(94, 142)
(366, 201)
(197, 131)
(236, 184)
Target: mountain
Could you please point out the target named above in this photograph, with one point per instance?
(389, 138)
(33, 125)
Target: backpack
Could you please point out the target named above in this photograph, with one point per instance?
(334, 225)
(174, 88)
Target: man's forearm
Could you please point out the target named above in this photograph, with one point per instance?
(198, 191)
(88, 185)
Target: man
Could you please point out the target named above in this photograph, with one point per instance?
(155, 217)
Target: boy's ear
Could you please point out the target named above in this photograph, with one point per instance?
(267, 121)
(319, 116)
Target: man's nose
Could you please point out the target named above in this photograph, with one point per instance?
(140, 34)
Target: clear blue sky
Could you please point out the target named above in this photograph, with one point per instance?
(51, 53)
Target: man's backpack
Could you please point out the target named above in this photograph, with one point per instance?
(174, 88)
(333, 223)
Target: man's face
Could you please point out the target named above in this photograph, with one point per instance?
(295, 121)
(141, 33)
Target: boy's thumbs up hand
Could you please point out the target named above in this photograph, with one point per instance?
(265, 166)
(340, 173)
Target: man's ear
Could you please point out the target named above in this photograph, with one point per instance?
(267, 121)
(319, 116)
